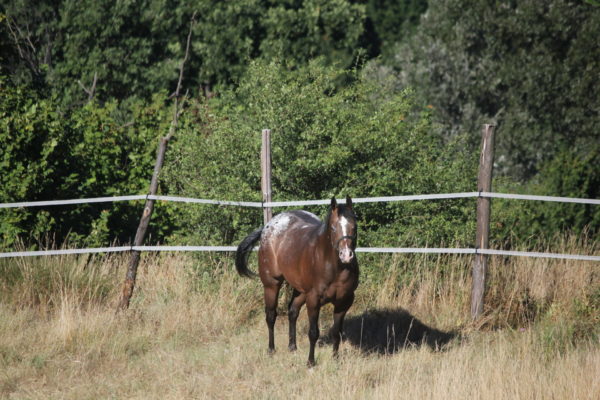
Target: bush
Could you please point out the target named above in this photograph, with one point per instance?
(333, 133)
(96, 150)
(569, 174)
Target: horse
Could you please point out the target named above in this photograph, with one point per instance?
(318, 261)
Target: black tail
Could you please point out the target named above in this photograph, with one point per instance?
(243, 252)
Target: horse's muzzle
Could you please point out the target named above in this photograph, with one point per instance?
(346, 255)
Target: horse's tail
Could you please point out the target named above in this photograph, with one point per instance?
(243, 252)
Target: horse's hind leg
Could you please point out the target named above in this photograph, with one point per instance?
(296, 303)
(271, 294)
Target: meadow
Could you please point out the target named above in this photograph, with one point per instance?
(196, 330)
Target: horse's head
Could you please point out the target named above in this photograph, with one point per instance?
(343, 229)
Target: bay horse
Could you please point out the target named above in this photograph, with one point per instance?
(318, 261)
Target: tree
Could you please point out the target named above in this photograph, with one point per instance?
(390, 22)
(26, 41)
(300, 31)
(531, 67)
(132, 49)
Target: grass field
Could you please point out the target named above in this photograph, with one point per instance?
(196, 330)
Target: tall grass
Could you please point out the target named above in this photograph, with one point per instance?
(43, 283)
(196, 330)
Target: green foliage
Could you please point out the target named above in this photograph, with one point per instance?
(569, 174)
(33, 141)
(572, 175)
(87, 152)
(563, 328)
(390, 22)
(134, 48)
(529, 66)
(327, 139)
(127, 44)
(300, 31)
(25, 39)
(226, 36)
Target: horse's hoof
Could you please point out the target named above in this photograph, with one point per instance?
(271, 352)
(311, 363)
(292, 347)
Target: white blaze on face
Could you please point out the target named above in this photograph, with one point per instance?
(345, 226)
(346, 254)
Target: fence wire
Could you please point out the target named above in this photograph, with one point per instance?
(437, 196)
(256, 204)
(422, 250)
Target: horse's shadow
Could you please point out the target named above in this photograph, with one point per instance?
(390, 330)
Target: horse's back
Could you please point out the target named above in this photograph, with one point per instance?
(284, 241)
(288, 229)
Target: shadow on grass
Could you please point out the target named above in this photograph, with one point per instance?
(390, 330)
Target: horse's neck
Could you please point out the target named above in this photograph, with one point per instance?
(324, 241)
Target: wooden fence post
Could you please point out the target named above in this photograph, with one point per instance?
(484, 184)
(265, 166)
(140, 234)
(141, 230)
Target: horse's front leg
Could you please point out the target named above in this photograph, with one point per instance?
(294, 307)
(339, 312)
(313, 308)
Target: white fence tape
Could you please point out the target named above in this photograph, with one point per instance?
(185, 248)
(72, 201)
(438, 196)
(61, 252)
(383, 199)
(206, 201)
(538, 255)
(430, 250)
(425, 250)
(302, 203)
(539, 198)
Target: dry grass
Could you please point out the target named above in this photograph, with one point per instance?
(191, 333)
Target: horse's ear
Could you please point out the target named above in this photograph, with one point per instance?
(348, 202)
(333, 203)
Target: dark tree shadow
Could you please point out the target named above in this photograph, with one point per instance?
(390, 330)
